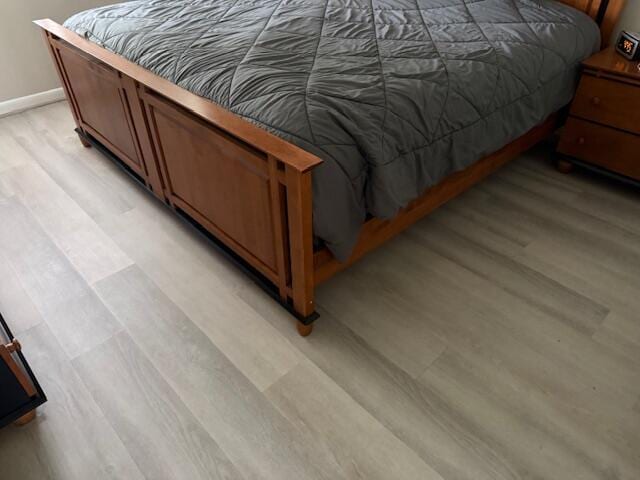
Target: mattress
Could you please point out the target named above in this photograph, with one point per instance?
(394, 95)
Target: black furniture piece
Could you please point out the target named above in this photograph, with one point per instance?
(20, 393)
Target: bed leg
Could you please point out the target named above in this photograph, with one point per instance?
(299, 208)
(26, 418)
(304, 330)
(563, 166)
(85, 143)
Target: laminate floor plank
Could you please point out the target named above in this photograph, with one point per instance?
(521, 419)
(361, 445)
(470, 205)
(543, 186)
(386, 324)
(491, 261)
(582, 180)
(158, 430)
(259, 441)
(566, 214)
(408, 275)
(89, 249)
(18, 443)
(553, 343)
(542, 328)
(403, 405)
(202, 284)
(565, 217)
(92, 180)
(62, 159)
(600, 360)
(621, 333)
(539, 369)
(497, 339)
(68, 305)
(55, 119)
(611, 286)
(607, 253)
(621, 210)
(15, 302)
(70, 438)
(11, 152)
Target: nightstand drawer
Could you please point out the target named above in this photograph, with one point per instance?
(609, 102)
(609, 148)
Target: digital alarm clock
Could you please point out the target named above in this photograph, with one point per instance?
(628, 45)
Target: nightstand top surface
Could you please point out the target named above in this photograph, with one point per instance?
(610, 61)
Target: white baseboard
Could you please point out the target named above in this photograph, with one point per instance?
(17, 105)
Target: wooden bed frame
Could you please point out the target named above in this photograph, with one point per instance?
(248, 188)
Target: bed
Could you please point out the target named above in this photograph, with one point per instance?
(302, 134)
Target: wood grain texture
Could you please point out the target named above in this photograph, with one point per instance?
(93, 254)
(11, 152)
(159, 431)
(15, 302)
(615, 104)
(63, 298)
(70, 438)
(65, 160)
(496, 339)
(185, 267)
(106, 114)
(251, 432)
(362, 446)
(612, 149)
(603, 126)
(210, 174)
(411, 412)
(505, 409)
(608, 61)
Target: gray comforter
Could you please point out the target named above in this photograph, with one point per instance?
(393, 94)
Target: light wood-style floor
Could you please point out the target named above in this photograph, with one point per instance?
(497, 339)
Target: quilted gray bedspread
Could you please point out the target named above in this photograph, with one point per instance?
(394, 95)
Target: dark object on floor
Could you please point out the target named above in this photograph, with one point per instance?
(20, 392)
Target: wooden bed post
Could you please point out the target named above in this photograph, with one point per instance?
(299, 208)
(610, 12)
(57, 63)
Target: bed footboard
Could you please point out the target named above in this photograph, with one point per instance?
(246, 187)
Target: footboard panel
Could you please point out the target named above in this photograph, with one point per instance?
(222, 183)
(101, 104)
(248, 188)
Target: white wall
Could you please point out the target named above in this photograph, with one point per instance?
(25, 67)
(630, 18)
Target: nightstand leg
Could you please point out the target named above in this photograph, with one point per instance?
(564, 166)
(26, 418)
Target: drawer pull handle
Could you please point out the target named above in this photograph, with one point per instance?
(581, 141)
(595, 100)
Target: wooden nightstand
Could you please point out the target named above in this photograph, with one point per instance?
(603, 127)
